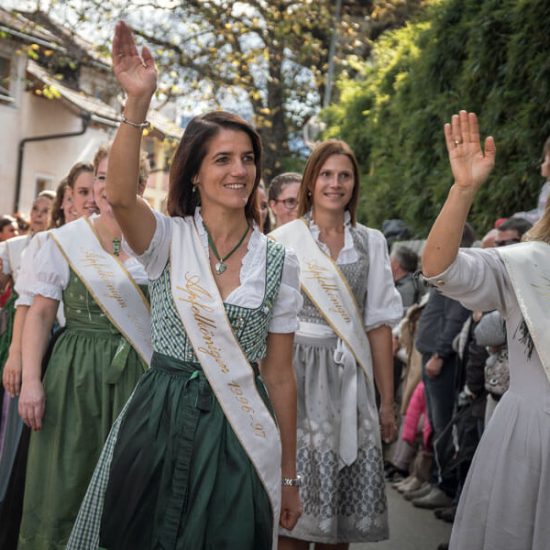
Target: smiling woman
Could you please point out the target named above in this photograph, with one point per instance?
(199, 431)
(342, 349)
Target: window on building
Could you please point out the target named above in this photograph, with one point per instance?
(42, 182)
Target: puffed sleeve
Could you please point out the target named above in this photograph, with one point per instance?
(51, 272)
(6, 269)
(477, 279)
(289, 300)
(26, 278)
(156, 256)
(384, 305)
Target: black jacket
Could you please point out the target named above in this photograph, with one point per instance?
(440, 322)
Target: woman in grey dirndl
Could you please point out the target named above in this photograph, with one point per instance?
(338, 443)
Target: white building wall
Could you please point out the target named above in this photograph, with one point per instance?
(52, 159)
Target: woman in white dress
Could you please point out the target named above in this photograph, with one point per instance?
(505, 503)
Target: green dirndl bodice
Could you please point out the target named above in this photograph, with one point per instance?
(173, 474)
(91, 373)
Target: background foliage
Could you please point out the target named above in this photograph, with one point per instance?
(487, 56)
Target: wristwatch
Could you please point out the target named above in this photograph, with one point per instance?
(292, 481)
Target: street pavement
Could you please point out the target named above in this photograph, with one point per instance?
(410, 528)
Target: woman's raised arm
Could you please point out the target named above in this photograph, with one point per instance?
(137, 75)
(471, 167)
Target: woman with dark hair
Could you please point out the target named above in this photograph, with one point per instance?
(343, 347)
(196, 459)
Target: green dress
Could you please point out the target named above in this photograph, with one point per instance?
(91, 373)
(173, 474)
(8, 314)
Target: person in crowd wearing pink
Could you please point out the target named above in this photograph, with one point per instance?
(505, 502)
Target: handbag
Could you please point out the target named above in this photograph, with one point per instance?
(497, 373)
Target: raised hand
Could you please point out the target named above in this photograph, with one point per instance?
(136, 73)
(469, 164)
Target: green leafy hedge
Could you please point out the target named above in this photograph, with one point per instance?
(491, 57)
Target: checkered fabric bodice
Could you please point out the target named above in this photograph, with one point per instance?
(250, 325)
(355, 273)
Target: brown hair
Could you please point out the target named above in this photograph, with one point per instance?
(105, 149)
(192, 149)
(278, 183)
(57, 217)
(315, 162)
(546, 148)
(76, 170)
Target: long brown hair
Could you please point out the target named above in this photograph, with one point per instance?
(182, 200)
(57, 216)
(311, 172)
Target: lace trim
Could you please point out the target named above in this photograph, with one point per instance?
(348, 254)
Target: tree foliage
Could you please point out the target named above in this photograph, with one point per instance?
(487, 56)
(269, 57)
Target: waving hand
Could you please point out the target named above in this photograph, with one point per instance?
(469, 164)
(136, 73)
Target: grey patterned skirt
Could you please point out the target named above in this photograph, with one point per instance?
(341, 503)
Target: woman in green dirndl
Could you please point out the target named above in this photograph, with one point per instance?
(196, 461)
(93, 368)
(13, 460)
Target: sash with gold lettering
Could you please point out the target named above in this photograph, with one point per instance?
(325, 285)
(112, 287)
(528, 265)
(226, 367)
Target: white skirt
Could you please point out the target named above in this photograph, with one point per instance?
(341, 504)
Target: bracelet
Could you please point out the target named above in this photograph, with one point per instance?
(141, 125)
(292, 481)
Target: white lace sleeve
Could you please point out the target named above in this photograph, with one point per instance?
(51, 272)
(156, 256)
(289, 300)
(384, 305)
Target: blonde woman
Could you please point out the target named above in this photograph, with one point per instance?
(505, 502)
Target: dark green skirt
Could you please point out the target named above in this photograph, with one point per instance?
(179, 477)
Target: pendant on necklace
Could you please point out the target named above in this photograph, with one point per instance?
(220, 267)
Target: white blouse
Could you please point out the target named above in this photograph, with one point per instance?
(51, 271)
(383, 303)
(250, 293)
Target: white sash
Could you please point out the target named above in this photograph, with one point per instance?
(528, 265)
(112, 287)
(14, 249)
(324, 284)
(227, 369)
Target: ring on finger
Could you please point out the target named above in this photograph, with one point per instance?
(458, 142)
